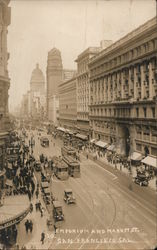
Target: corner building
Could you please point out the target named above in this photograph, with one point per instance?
(123, 92)
(5, 16)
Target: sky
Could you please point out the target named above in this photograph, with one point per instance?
(69, 25)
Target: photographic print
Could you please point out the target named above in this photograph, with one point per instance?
(78, 124)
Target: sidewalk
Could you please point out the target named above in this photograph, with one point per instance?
(32, 240)
(152, 182)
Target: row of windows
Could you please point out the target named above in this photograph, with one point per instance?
(141, 148)
(126, 57)
(124, 76)
(124, 112)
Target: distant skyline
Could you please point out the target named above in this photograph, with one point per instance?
(71, 26)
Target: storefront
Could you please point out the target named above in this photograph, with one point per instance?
(101, 145)
(14, 209)
(150, 163)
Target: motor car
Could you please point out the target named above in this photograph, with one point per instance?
(57, 211)
(141, 179)
(68, 196)
(37, 166)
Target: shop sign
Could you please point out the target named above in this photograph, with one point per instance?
(14, 221)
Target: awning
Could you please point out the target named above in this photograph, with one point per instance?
(69, 132)
(135, 156)
(14, 209)
(82, 137)
(101, 144)
(92, 140)
(61, 129)
(151, 161)
(111, 148)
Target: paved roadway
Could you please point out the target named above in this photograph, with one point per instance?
(107, 215)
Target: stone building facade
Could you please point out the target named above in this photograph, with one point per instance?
(5, 17)
(54, 78)
(67, 104)
(123, 92)
(83, 89)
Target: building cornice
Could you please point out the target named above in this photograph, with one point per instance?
(151, 24)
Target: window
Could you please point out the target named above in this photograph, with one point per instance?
(137, 112)
(153, 112)
(145, 112)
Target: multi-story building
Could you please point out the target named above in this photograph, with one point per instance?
(123, 92)
(5, 16)
(68, 74)
(37, 94)
(83, 86)
(54, 78)
(67, 104)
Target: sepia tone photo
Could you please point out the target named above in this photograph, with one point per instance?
(78, 124)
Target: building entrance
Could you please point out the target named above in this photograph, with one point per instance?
(123, 140)
(127, 141)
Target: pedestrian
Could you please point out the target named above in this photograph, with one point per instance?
(31, 207)
(29, 195)
(87, 156)
(27, 225)
(42, 237)
(41, 211)
(54, 144)
(31, 226)
(55, 228)
(37, 193)
(120, 166)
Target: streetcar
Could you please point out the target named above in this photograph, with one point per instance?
(61, 169)
(66, 150)
(44, 142)
(74, 166)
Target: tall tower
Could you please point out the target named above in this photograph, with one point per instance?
(54, 78)
(37, 92)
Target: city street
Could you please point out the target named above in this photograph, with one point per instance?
(78, 125)
(107, 215)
